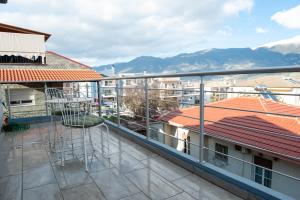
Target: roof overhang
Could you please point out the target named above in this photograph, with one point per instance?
(16, 76)
(15, 29)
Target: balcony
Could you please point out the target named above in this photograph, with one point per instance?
(28, 171)
(225, 155)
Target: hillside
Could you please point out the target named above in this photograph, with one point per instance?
(213, 59)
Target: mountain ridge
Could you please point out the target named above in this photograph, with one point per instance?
(208, 60)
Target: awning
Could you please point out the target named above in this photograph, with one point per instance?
(48, 75)
(19, 44)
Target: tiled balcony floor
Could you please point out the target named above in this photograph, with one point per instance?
(132, 172)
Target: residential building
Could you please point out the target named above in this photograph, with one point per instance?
(241, 137)
(282, 87)
(26, 69)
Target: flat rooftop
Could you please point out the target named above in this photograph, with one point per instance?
(29, 171)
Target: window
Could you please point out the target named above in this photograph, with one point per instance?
(107, 92)
(21, 97)
(187, 145)
(262, 175)
(108, 83)
(128, 82)
(238, 147)
(223, 150)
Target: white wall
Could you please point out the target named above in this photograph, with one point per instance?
(283, 183)
(293, 100)
(280, 183)
(235, 166)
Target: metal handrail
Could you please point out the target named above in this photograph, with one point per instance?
(286, 69)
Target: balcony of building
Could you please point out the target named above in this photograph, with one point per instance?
(149, 158)
(30, 171)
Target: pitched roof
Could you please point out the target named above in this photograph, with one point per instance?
(15, 29)
(275, 134)
(54, 58)
(47, 75)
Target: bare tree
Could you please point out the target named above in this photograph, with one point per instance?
(135, 101)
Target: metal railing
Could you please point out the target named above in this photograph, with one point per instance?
(153, 102)
(206, 152)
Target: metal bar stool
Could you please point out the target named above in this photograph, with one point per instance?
(76, 114)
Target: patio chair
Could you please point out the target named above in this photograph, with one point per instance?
(52, 97)
(76, 113)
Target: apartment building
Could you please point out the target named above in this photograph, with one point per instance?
(27, 68)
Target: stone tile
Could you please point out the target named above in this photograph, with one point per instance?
(125, 163)
(100, 163)
(83, 192)
(72, 174)
(45, 192)
(138, 196)
(202, 189)
(11, 187)
(165, 168)
(38, 176)
(113, 185)
(34, 158)
(139, 152)
(153, 185)
(11, 162)
(8, 142)
(181, 196)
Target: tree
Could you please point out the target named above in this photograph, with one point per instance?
(134, 100)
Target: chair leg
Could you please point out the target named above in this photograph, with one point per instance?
(62, 149)
(107, 139)
(90, 138)
(93, 149)
(49, 132)
(85, 153)
(72, 142)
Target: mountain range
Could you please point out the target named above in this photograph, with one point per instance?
(281, 53)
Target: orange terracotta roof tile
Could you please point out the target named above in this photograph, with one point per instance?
(272, 133)
(47, 75)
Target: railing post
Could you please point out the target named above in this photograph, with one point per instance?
(201, 135)
(147, 109)
(99, 98)
(118, 103)
(87, 89)
(8, 102)
(46, 104)
(182, 94)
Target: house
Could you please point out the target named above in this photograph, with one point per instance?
(241, 138)
(278, 87)
(26, 69)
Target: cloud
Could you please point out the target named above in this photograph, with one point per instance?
(288, 18)
(261, 30)
(233, 7)
(226, 31)
(107, 30)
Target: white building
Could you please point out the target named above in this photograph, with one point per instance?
(283, 86)
(266, 143)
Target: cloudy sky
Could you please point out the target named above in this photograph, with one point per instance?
(99, 32)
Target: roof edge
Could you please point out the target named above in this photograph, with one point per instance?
(24, 30)
(57, 54)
